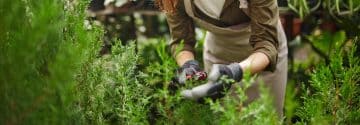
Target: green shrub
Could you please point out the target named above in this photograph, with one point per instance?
(42, 49)
(169, 108)
(333, 95)
(49, 74)
(232, 111)
(110, 92)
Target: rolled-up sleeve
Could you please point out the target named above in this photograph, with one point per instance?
(264, 35)
(181, 30)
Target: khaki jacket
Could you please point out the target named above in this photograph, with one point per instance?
(262, 15)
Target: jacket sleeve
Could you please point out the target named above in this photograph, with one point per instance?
(264, 35)
(181, 30)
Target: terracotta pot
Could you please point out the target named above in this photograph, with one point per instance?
(328, 26)
(297, 22)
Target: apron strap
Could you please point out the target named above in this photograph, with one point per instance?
(244, 6)
(231, 30)
(188, 8)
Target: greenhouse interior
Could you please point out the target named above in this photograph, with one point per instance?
(180, 62)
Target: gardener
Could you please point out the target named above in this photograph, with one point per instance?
(241, 35)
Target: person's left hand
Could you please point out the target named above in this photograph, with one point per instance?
(215, 87)
(190, 70)
(232, 71)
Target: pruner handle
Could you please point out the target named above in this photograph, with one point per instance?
(199, 76)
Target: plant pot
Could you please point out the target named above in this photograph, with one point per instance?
(297, 23)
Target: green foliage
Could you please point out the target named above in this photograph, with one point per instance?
(233, 108)
(333, 7)
(323, 43)
(50, 75)
(327, 41)
(42, 49)
(291, 103)
(332, 98)
(345, 14)
(110, 92)
(169, 108)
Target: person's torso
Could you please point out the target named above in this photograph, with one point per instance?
(230, 13)
(229, 34)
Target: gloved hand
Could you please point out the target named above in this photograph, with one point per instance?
(190, 70)
(215, 87)
(233, 71)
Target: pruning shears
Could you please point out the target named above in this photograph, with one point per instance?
(211, 89)
(175, 84)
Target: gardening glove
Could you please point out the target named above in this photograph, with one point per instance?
(215, 87)
(190, 70)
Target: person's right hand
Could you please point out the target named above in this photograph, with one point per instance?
(190, 70)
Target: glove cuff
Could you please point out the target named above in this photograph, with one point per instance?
(190, 63)
(236, 71)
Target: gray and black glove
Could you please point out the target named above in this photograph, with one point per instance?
(232, 71)
(190, 70)
(215, 87)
